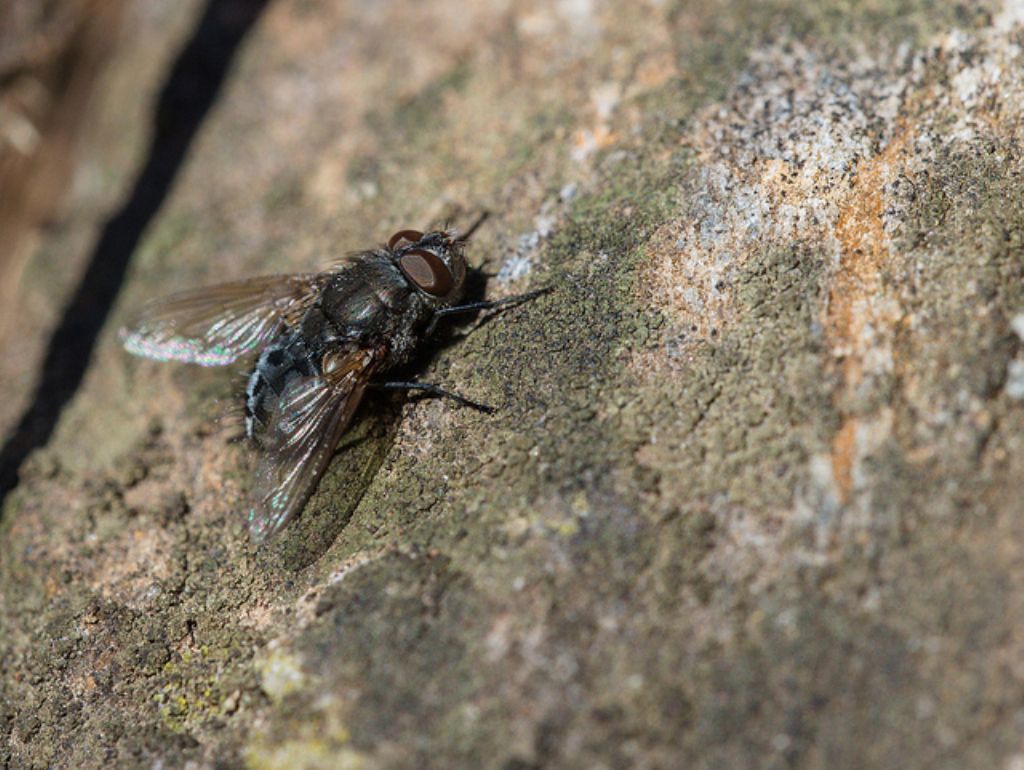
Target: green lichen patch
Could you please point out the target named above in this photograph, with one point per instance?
(753, 403)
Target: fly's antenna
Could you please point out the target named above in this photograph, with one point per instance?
(463, 237)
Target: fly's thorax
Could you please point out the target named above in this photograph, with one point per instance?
(368, 303)
(370, 300)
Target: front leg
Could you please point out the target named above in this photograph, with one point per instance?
(485, 305)
(434, 390)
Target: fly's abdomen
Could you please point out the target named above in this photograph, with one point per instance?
(279, 362)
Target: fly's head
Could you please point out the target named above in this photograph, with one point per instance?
(433, 263)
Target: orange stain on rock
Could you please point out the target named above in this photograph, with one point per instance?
(844, 450)
(858, 313)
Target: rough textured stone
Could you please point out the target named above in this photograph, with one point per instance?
(752, 497)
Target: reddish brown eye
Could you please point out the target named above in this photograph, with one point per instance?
(412, 236)
(427, 271)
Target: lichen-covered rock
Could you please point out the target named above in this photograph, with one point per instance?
(753, 497)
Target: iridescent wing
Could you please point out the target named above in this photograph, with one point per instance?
(303, 430)
(217, 325)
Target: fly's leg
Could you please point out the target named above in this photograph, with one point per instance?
(486, 305)
(434, 390)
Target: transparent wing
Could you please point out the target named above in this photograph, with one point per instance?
(219, 324)
(302, 433)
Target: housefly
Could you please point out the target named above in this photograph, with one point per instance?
(322, 340)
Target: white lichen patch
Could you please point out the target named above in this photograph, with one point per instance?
(1011, 15)
(321, 740)
(1015, 380)
(519, 263)
(1017, 324)
(803, 151)
(280, 673)
(820, 156)
(1015, 370)
(777, 161)
(307, 754)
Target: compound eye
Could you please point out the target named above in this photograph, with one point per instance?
(409, 236)
(427, 271)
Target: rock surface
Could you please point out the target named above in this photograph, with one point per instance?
(753, 497)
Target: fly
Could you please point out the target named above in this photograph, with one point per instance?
(322, 340)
